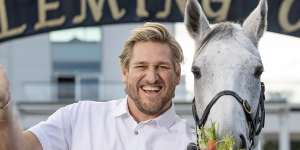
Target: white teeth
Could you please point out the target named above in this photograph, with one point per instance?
(151, 88)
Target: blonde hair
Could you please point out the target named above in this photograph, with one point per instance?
(154, 32)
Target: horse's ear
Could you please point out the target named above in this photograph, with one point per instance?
(195, 20)
(256, 23)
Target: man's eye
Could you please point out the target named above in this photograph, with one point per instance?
(139, 67)
(164, 67)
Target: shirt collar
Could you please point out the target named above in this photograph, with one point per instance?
(167, 119)
(121, 108)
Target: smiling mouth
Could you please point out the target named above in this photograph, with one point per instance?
(151, 89)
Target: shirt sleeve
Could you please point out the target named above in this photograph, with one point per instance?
(56, 132)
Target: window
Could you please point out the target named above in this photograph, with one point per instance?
(77, 53)
(87, 34)
(66, 88)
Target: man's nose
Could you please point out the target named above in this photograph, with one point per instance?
(152, 76)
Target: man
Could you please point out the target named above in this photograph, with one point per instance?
(144, 120)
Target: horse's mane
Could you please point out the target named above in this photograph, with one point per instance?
(218, 31)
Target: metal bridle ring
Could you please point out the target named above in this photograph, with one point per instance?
(247, 107)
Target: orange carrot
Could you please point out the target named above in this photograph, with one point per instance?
(212, 144)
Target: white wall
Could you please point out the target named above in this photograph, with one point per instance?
(28, 61)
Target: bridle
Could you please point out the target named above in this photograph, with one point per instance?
(255, 124)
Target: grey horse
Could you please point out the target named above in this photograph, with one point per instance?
(227, 67)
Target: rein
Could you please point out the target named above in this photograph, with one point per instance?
(255, 124)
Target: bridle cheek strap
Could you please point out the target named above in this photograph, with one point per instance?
(255, 124)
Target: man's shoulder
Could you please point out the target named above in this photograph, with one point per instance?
(182, 122)
(109, 103)
(185, 128)
(94, 106)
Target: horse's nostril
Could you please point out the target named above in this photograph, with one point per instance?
(243, 144)
(192, 146)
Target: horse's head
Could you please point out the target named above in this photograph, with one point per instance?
(227, 59)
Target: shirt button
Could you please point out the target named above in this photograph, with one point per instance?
(136, 132)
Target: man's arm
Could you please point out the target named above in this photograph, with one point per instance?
(11, 135)
(32, 141)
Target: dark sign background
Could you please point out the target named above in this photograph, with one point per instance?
(20, 12)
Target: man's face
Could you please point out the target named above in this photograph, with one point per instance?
(151, 77)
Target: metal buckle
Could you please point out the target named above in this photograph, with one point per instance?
(247, 107)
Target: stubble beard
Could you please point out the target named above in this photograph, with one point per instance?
(157, 106)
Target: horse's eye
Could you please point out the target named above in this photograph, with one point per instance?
(196, 72)
(258, 71)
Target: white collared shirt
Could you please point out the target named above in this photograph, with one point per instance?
(109, 126)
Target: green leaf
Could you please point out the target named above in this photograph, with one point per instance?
(210, 133)
(226, 143)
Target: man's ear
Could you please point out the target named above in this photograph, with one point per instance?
(125, 72)
(178, 73)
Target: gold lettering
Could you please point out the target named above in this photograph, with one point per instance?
(116, 12)
(79, 18)
(141, 8)
(96, 7)
(221, 14)
(43, 8)
(142, 12)
(181, 5)
(4, 31)
(166, 11)
(284, 15)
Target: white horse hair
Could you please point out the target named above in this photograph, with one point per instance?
(227, 58)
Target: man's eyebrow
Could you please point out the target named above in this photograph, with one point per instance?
(159, 63)
(140, 63)
(165, 63)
